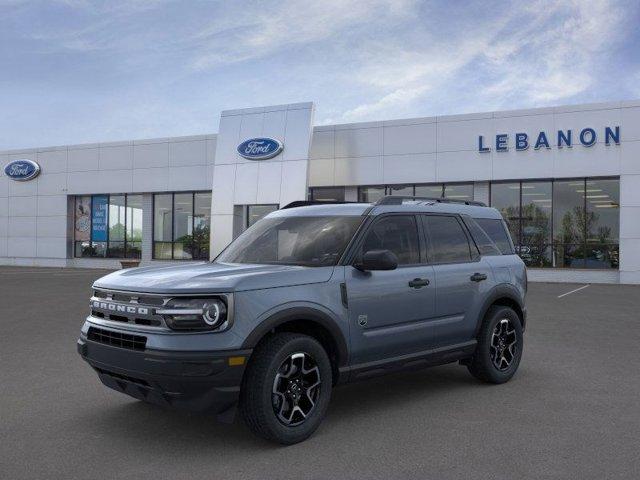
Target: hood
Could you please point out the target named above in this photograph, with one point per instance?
(211, 277)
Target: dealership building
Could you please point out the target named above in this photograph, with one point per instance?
(566, 179)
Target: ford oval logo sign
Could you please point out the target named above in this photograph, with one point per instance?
(22, 170)
(260, 148)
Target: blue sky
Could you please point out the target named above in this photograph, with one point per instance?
(77, 71)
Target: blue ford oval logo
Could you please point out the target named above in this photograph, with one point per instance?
(260, 148)
(22, 170)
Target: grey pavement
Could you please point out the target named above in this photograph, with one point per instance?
(572, 411)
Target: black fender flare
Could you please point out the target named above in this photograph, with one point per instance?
(504, 290)
(305, 313)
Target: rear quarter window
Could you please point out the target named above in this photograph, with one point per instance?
(497, 231)
(481, 239)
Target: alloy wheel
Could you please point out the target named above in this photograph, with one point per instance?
(504, 344)
(296, 389)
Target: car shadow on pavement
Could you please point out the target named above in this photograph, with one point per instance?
(360, 401)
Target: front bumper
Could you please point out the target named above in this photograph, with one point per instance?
(196, 381)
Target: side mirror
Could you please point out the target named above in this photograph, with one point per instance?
(377, 260)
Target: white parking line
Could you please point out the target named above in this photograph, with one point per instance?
(573, 291)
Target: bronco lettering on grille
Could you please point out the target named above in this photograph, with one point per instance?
(114, 307)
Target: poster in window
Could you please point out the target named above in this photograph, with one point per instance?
(99, 218)
(83, 219)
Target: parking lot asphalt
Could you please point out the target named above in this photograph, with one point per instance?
(571, 412)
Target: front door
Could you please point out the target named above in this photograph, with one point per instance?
(391, 311)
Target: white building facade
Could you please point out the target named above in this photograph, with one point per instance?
(567, 180)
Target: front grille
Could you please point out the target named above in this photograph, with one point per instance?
(117, 339)
(130, 297)
(129, 308)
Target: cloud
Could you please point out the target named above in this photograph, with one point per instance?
(536, 54)
(94, 71)
(389, 102)
(555, 57)
(248, 33)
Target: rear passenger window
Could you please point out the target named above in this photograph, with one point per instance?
(497, 232)
(397, 233)
(448, 241)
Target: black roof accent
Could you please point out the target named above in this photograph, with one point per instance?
(399, 200)
(306, 203)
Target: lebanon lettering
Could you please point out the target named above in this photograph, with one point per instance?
(587, 137)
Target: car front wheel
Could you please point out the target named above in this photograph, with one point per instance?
(287, 387)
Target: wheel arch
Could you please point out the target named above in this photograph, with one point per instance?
(309, 321)
(504, 295)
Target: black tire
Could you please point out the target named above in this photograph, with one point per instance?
(258, 403)
(484, 363)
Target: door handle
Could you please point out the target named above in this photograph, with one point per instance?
(478, 277)
(418, 282)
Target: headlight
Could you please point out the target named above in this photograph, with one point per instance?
(195, 313)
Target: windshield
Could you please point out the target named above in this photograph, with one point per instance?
(306, 241)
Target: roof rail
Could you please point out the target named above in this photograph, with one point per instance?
(306, 203)
(399, 200)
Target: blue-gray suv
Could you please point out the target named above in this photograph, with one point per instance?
(309, 297)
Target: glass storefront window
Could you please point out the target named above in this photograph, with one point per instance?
(257, 212)
(327, 194)
(459, 191)
(406, 190)
(569, 212)
(117, 219)
(603, 223)
(182, 223)
(569, 222)
(506, 198)
(134, 226)
(201, 225)
(430, 191)
(454, 191)
(562, 223)
(370, 194)
(535, 241)
(162, 226)
(108, 226)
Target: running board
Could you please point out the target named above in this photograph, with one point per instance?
(425, 358)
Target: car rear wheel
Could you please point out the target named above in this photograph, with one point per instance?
(287, 387)
(499, 349)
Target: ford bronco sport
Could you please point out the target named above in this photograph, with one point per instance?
(309, 297)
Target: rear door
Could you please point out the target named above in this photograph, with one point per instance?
(391, 311)
(462, 278)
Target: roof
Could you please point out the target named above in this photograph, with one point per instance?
(356, 209)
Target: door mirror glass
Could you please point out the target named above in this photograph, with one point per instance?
(377, 260)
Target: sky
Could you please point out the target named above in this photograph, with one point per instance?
(78, 71)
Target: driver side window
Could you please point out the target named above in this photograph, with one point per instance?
(398, 234)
